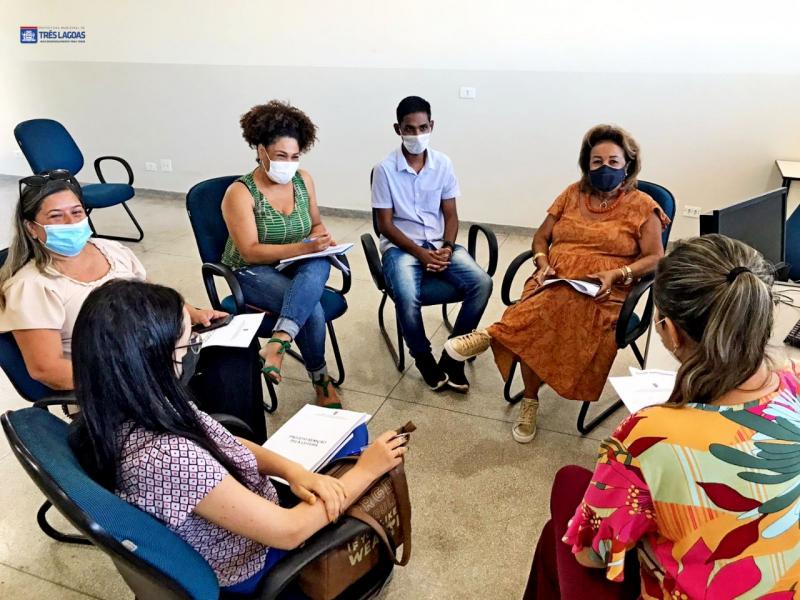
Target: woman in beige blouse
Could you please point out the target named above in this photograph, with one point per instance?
(53, 264)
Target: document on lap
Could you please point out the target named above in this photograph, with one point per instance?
(236, 334)
(315, 434)
(584, 287)
(644, 388)
(330, 252)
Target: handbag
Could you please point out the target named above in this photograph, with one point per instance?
(386, 507)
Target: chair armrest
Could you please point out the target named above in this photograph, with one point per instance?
(234, 425)
(639, 289)
(373, 260)
(491, 241)
(211, 270)
(511, 273)
(347, 278)
(122, 161)
(332, 536)
(62, 399)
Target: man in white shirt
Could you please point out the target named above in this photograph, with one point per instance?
(414, 192)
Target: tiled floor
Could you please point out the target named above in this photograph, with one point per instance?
(479, 498)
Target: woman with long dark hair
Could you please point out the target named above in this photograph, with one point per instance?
(141, 436)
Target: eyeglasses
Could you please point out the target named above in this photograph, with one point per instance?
(194, 345)
(39, 181)
(660, 321)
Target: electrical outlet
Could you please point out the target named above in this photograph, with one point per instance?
(467, 93)
(692, 212)
(166, 165)
(150, 166)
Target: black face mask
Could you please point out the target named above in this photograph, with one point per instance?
(189, 364)
(606, 178)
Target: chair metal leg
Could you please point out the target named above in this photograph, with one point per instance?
(638, 354)
(446, 319)
(49, 530)
(512, 398)
(273, 396)
(398, 357)
(585, 428)
(337, 354)
(118, 237)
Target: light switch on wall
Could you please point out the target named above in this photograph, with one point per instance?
(467, 93)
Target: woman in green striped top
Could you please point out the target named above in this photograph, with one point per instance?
(272, 214)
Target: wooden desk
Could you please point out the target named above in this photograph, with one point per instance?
(657, 356)
(790, 171)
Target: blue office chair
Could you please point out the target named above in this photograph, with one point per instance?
(13, 365)
(154, 562)
(434, 291)
(47, 145)
(203, 204)
(630, 326)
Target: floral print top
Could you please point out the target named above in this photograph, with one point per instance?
(708, 495)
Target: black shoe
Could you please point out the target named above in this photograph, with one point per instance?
(455, 373)
(431, 372)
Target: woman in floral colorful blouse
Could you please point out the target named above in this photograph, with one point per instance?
(706, 489)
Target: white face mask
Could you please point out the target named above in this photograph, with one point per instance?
(281, 171)
(416, 144)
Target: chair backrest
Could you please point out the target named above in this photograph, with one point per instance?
(375, 227)
(47, 145)
(13, 365)
(204, 205)
(154, 562)
(665, 200)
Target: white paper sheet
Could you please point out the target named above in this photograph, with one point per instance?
(644, 388)
(236, 334)
(584, 287)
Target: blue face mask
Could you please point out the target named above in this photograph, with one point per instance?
(606, 178)
(68, 239)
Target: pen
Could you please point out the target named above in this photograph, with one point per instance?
(309, 240)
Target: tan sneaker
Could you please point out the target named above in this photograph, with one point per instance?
(524, 429)
(468, 345)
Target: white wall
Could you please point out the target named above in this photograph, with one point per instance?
(709, 91)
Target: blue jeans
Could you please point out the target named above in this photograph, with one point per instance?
(405, 276)
(294, 294)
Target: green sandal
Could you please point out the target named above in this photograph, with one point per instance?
(323, 383)
(269, 369)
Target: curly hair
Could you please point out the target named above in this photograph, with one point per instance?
(620, 137)
(265, 123)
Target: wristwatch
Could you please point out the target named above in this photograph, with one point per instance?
(448, 244)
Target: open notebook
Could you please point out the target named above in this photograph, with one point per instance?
(331, 252)
(314, 434)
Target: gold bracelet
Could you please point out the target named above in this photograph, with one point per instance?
(628, 275)
(537, 255)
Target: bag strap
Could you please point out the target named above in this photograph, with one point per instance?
(403, 502)
(400, 484)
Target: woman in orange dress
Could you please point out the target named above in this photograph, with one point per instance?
(599, 229)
